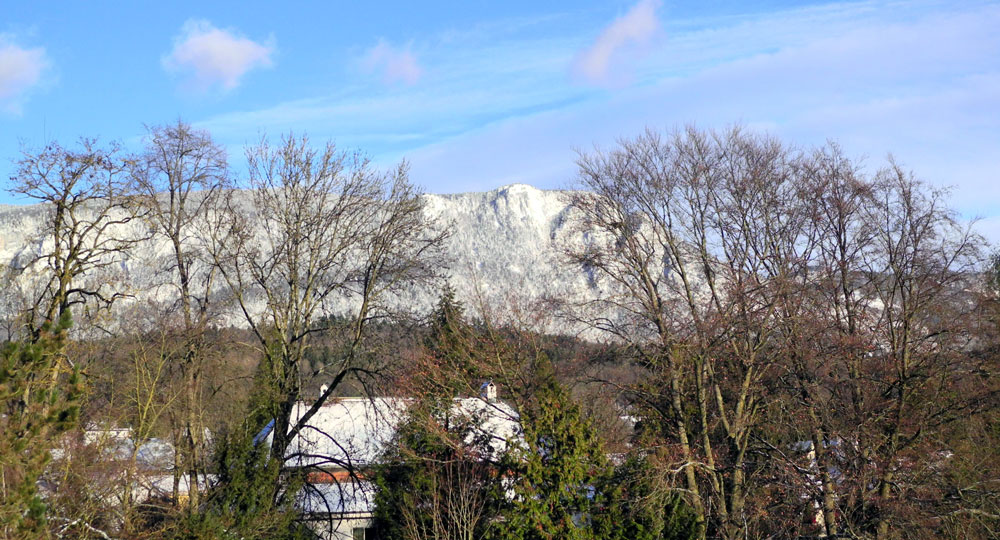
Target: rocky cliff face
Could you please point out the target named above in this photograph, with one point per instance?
(504, 250)
(506, 245)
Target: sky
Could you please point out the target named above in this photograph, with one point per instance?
(476, 95)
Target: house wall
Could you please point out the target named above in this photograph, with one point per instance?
(342, 529)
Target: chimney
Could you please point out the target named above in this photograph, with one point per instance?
(488, 391)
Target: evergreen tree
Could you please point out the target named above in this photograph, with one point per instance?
(254, 496)
(438, 482)
(40, 399)
(450, 348)
(242, 504)
(561, 479)
(641, 509)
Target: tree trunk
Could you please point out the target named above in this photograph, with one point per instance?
(193, 433)
(829, 501)
(689, 468)
(178, 468)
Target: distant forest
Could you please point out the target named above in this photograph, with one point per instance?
(780, 343)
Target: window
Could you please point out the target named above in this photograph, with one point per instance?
(359, 533)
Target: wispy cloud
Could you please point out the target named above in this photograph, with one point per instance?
(395, 64)
(917, 87)
(21, 70)
(500, 108)
(477, 77)
(635, 27)
(209, 57)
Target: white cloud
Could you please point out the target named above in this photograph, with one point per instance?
(396, 64)
(21, 70)
(210, 57)
(635, 27)
(917, 88)
(499, 109)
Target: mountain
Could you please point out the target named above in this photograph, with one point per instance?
(503, 252)
(506, 243)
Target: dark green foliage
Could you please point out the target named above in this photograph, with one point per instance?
(243, 503)
(447, 324)
(644, 510)
(451, 348)
(561, 476)
(254, 496)
(438, 480)
(40, 399)
(565, 487)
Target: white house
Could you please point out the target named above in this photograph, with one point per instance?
(348, 435)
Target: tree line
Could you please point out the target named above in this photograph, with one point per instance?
(778, 343)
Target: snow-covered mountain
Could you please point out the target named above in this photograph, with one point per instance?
(504, 249)
(506, 245)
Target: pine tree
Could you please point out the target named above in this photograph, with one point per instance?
(438, 482)
(254, 496)
(561, 477)
(639, 508)
(243, 503)
(40, 399)
(450, 347)
(439, 479)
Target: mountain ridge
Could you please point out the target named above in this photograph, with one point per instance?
(503, 250)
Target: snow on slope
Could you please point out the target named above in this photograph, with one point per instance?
(503, 249)
(505, 244)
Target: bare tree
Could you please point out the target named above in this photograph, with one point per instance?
(181, 175)
(921, 266)
(697, 238)
(319, 233)
(821, 327)
(106, 475)
(881, 358)
(88, 207)
(774, 295)
(85, 232)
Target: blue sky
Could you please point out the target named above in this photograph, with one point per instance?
(479, 94)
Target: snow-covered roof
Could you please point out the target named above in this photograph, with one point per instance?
(116, 444)
(345, 432)
(495, 419)
(339, 498)
(354, 432)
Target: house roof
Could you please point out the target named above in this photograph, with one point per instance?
(354, 432)
(346, 432)
(342, 499)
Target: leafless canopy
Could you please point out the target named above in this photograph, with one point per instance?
(89, 208)
(736, 269)
(320, 233)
